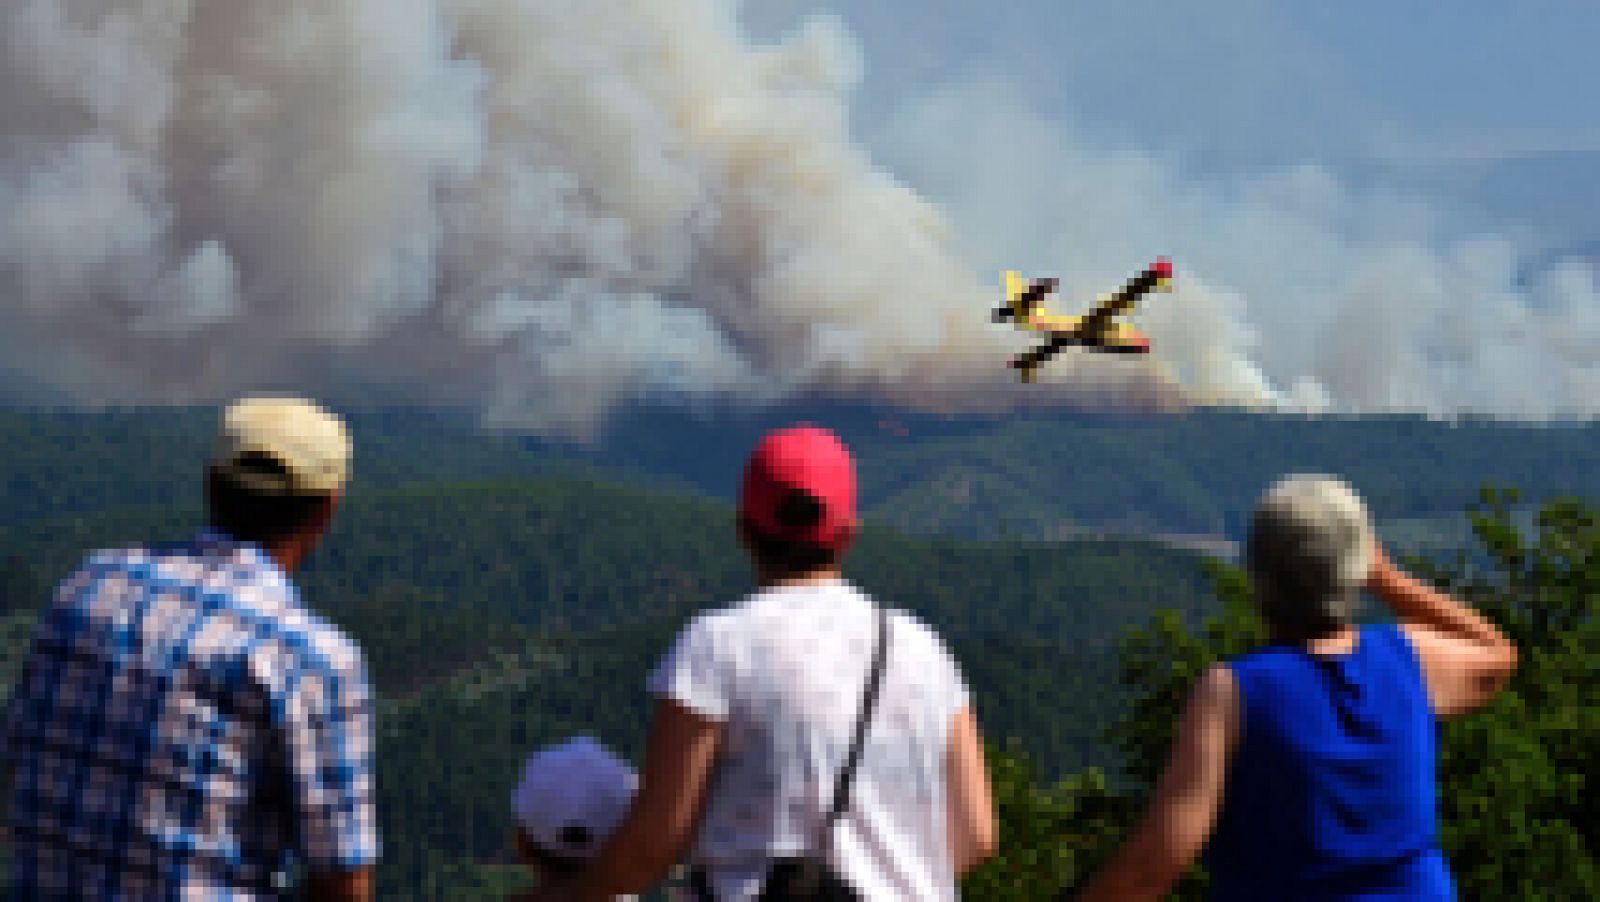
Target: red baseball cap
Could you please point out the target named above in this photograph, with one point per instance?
(789, 465)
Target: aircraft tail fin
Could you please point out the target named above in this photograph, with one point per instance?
(1022, 298)
(1015, 286)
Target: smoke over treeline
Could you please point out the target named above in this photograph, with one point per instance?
(541, 208)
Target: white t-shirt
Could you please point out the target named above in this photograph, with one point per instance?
(784, 672)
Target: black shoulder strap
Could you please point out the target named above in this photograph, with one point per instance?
(869, 701)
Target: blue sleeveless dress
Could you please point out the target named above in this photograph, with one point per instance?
(1330, 794)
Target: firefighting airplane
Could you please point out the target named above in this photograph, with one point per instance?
(1098, 330)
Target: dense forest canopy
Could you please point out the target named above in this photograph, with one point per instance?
(1025, 476)
(509, 592)
(498, 616)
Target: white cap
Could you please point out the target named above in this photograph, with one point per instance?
(307, 448)
(572, 796)
(1312, 533)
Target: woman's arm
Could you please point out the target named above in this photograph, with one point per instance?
(340, 886)
(679, 754)
(1465, 659)
(969, 801)
(1183, 808)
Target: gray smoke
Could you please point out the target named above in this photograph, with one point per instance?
(1292, 287)
(544, 207)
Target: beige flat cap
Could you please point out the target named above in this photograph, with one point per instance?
(311, 445)
(1316, 523)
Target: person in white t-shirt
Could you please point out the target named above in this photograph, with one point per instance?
(757, 703)
(569, 800)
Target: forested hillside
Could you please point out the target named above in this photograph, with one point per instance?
(510, 591)
(1024, 476)
(63, 462)
(498, 616)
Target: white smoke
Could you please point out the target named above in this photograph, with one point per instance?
(1291, 286)
(545, 207)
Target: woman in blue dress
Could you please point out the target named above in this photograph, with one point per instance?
(1305, 769)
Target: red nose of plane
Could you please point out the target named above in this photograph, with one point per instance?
(1162, 268)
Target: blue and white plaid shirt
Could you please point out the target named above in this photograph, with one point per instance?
(182, 729)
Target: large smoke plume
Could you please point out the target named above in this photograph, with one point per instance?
(543, 207)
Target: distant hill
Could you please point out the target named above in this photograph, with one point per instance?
(1191, 477)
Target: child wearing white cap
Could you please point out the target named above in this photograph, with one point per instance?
(571, 797)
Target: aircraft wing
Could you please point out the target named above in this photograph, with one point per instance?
(1027, 363)
(1107, 307)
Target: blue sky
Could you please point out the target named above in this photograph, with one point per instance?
(1494, 105)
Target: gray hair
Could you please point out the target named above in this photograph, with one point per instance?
(1308, 553)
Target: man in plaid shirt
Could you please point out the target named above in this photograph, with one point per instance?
(183, 727)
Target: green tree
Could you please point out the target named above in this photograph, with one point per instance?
(1047, 834)
(1515, 778)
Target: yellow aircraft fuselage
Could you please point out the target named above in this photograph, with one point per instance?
(1098, 330)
